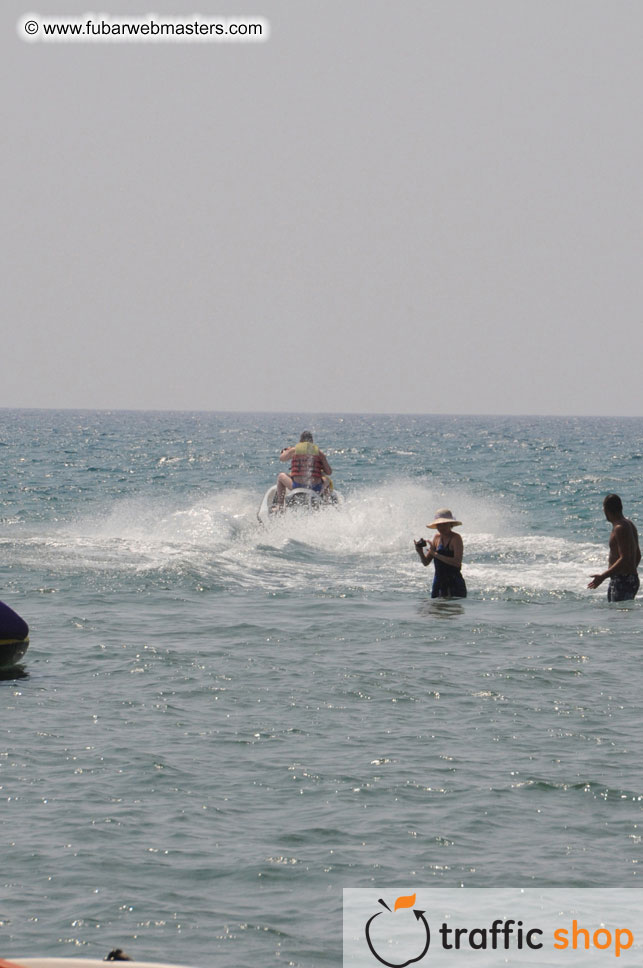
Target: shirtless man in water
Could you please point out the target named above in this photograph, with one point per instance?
(624, 556)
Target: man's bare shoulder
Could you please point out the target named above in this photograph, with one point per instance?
(625, 530)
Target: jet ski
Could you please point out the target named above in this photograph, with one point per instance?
(299, 499)
(14, 637)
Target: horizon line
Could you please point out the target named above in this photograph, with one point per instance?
(325, 413)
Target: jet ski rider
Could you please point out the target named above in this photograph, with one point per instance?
(308, 468)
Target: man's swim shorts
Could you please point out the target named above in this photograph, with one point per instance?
(311, 487)
(622, 588)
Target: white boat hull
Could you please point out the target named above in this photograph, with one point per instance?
(299, 499)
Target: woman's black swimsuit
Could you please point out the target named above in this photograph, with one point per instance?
(448, 581)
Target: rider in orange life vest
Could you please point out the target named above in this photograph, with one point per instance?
(307, 468)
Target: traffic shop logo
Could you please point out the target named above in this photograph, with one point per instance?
(420, 933)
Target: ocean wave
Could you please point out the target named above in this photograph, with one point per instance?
(367, 544)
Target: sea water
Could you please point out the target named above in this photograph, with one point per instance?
(219, 724)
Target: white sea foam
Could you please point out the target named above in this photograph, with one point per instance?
(367, 542)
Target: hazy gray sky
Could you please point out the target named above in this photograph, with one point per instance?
(422, 206)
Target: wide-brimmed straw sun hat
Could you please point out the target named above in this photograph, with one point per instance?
(443, 516)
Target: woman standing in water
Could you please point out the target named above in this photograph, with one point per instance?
(445, 551)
